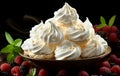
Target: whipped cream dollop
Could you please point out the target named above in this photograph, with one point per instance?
(67, 50)
(89, 26)
(66, 14)
(34, 32)
(35, 46)
(96, 46)
(48, 32)
(78, 32)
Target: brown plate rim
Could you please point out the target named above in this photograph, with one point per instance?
(108, 51)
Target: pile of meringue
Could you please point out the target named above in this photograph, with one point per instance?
(64, 37)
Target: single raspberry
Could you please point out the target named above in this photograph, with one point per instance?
(106, 29)
(117, 61)
(62, 72)
(114, 29)
(103, 69)
(18, 60)
(115, 69)
(42, 72)
(83, 73)
(113, 57)
(15, 71)
(106, 64)
(26, 63)
(5, 67)
(113, 37)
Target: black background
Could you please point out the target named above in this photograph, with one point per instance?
(44, 9)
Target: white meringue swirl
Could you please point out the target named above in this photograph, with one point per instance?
(66, 14)
(35, 46)
(89, 26)
(50, 33)
(34, 32)
(67, 50)
(95, 47)
(78, 32)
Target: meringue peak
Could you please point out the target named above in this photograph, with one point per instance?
(66, 14)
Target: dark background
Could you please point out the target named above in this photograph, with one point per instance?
(44, 9)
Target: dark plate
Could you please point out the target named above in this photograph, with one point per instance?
(67, 64)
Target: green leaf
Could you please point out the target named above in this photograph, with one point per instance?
(17, 42)
(102, 20)
(112, 20)
(9, 38)
(17, 49)
(101, 25)
(10, 57)
(32, 72)
(7, 49)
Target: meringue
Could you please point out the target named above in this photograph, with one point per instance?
(67, 50)
(35, 46)
(96, 46)
(66, 14)
(64, 37)
(78, 32)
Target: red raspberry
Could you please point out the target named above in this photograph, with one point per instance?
(83, 73)
(62, 73)
(18, 60)
(42, 72)
(106, 64)
(26, 63)
(104, 69)
(113, 37)
(117, 61)
(114, 29)
(5, 67)
(106, 29)
(115, 69)
(113, 57)
(15, 71)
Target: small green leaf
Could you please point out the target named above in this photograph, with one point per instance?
(9, 38)
(10, 57)
(112, 20)
(17, 49)
(32, 72)
(101, 25)
(13, 48)
(17, 42)
(7, 49)
(102, 20)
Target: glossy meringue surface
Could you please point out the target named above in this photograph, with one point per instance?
(67, 50)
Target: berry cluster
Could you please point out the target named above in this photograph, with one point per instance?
(21, 67)
(110, 67)
(110, 33)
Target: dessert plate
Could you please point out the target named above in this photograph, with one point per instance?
(68, 64)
